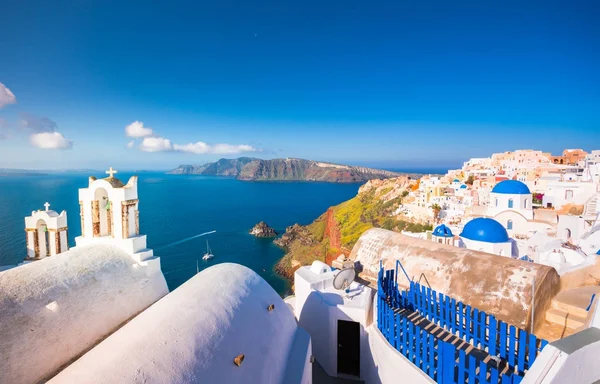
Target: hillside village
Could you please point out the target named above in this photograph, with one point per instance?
(548, 205)
(539, 207)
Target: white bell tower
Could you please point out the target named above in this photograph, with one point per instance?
(47, 233)
(109, 214)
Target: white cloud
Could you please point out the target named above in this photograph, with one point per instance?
(137, 129)
(6, 96)
(222, 149)
(152, 143)
(198, 147)
(156, 144)
(50, 140)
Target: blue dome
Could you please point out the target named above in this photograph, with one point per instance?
(512, 187)
(456, 181)
(486, 230)
(598, 253)
(463, 187)
(442, 231)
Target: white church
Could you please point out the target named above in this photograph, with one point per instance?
(101, 312)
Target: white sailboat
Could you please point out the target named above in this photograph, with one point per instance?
(208, 255)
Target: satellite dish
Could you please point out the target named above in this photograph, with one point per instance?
(344, 278)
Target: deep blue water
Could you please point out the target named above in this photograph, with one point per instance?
(175, 207)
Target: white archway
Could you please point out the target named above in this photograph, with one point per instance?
(103, 220)
(43, 239)
(567, 234)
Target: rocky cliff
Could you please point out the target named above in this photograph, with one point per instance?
(250, 169)
(338, 229)
(222, 167)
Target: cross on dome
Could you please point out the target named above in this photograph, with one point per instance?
(47, 205)
(111, 172)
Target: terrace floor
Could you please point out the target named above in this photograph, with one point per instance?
(321, 377)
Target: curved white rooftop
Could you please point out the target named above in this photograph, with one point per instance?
(194, 334)
(53, 310)
(511, 187)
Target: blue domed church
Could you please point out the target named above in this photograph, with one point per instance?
(442, 234)
(510, 205)
(486, 235)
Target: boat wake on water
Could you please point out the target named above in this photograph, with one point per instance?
(184, 240)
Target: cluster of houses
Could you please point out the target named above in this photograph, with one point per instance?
(524, 204)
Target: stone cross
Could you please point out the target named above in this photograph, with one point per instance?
(47, 205)
(110, 172)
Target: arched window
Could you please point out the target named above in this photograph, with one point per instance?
(509, 224)
(510, 203)
(496, 202)
(525, 204)
(569, 194)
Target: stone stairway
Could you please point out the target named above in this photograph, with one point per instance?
(591, 206)
(568, 312)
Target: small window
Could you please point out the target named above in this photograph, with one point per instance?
(509, 224)
(525, 204)
(569, 194)
(510, 203)
(496, 202)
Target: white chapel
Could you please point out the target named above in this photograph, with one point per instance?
(47, 233)
(110, 214)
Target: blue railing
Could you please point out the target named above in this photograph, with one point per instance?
(591, 301)
(516, 348)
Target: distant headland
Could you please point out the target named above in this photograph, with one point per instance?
(290, 169)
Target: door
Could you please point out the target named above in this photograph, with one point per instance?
(348, 356)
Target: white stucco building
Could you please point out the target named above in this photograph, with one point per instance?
(559, 193)
(342, 326)
(46, 233)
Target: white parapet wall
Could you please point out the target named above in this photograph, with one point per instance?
(320, 308)
(55, 309)
(389, 365)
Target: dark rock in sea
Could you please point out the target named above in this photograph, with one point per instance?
(262, 229)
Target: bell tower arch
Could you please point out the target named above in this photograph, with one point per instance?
(109, 212)
(46, 233)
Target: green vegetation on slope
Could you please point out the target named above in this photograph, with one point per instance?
(372, 207)
(365, 211)
(308, 244)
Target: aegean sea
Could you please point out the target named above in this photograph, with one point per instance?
(176, 208)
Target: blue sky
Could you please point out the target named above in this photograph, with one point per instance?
(395, 84)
